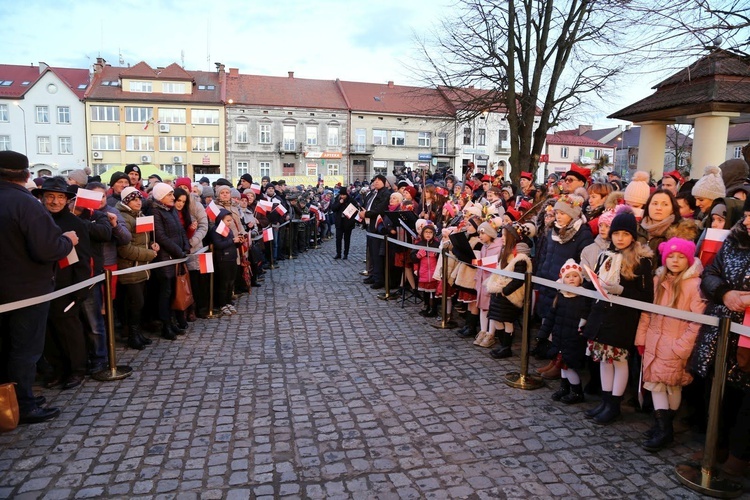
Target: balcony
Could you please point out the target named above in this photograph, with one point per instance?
(361, 149)
(443, 151)
(502, 148)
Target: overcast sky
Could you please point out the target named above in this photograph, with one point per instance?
(326, 39)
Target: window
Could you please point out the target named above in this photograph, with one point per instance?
(138, 115)
(467, 136)
(172, 144)
(360, 138)
(481, 137)
(502, 137)
(424, 139)
(139, 143)
(105, 114)
(289, 169)
(173, 88)
(105, 142)
(380, 167)
(265, 168)
(4, 143)
(241, 133)
(312, 169)
(63, 114)
(42, 114)
(398, 138)
(442, 144)
(333, 136)
(205, 116)
(4, 113)
(597, 154)
(379, 137)
(333, 169)
(176, 170)
(65, 145)
(172, 115)
(208, 144)
(100, 168)
(43, 145)
(563, 152)
(581, 152)
(140, 86)
(264, 133)
(633, 160)
(311, 132)
(242, 168)
(289, 137)
(737, 150)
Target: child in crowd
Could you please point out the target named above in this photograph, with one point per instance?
(465, 274)
(450, 290)
(687, 205)
(226, 259)
(426, 263)
(665, 342)
(491, 247)
(564, 321)
(624, 270)
(637, 193)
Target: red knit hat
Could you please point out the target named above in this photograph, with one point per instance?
(527, 175)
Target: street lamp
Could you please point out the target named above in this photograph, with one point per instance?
(25, 141)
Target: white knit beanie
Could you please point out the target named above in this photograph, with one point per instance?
(161, 189)
(711, 185)
(638, 189)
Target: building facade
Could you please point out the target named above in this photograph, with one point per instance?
(563, 149)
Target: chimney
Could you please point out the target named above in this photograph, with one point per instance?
(234, 72)
(390, 84)
(42, 67)
(582, 129)
(291, 74)
(219, 67)
(98, 65)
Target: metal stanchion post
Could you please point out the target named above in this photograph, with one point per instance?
(291, 238)
(522, 379)
(211, 289)
(704, 477)
(367, 258)
(387, 294)
(114, 372)
(315, 236)
(444, 322)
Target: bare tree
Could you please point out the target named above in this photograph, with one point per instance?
(680, 147)
(540, 61)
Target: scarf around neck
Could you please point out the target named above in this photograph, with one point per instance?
(565, 234)
(656, 228)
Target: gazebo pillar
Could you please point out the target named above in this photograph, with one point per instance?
(651, 147)
(709, 140)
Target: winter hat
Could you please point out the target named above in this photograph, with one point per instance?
(685, 247)
(513, 214)
(719, 209)
(676, 175)
(509, 190)
(247, 178)
(129, 194)
(219, 188)
(207, 192)
(223, 182)
(570, 266)
(12, 160)
(419, 225)
(412, 191)
(80, 176)
(183, 181)
(427, 226)
(473, 209)
(607, 217)
(581, 173)
(132, 167)
(488, 229)
(638, 189)
(161, 189)
(450, 208)
(710, 186)
(527, 175)
(733, 173)
(570, 204)
(204, 180)
(624, 221)
(116, 176)
(234, 193)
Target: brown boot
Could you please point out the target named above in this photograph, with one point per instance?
(547, 367)
(734, 466)
(554, 372)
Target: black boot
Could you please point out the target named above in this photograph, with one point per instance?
(663, 433)
(134, 339)
(600, 408)
(167, 333)
(610, 413)
(433, 311)
(471, 327)
(575, 396)
(503, 351)
(541, 349)
(426, 303)
(564, 390)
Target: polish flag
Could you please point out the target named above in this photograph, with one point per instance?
(255, 188)
(222, 229)
(71, 259)
(206, 262)
(305, 217)
(86, 198)
(144, 224)
(212, 210)
(712, 244)
(263, 207)
(268, 234)
(279, 209)
(489, 262)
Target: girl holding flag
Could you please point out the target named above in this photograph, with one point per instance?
(226, 260)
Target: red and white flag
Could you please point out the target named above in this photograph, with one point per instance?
(222, 229)
(86, 198)
(212, 210)
(263, 207)
(69, 260)
(489, 262)
(712, 244)
(255, 188)
(280, 209)
(268, 234)
(144, 224)
(305, 217)
(206, 262)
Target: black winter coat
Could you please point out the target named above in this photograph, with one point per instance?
(225, 249)
(75, 273)
(100, 232)
(170, 235)
(502, 309)
(562, 322)
(379, 207)
(343, 222)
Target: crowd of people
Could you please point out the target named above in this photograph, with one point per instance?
(647, 240)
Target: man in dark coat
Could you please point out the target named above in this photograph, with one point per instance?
(32, 245)
(375, 205)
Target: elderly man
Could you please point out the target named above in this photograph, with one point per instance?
(117, 183)
(32, 245)
(575, 178)
(375, 205)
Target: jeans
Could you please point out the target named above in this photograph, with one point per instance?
(22, 332)
(96, 334)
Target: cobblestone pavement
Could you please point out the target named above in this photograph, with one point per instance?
(319, 390)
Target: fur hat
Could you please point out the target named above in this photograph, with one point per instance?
(161, 189)
(488, 229)
(129, 194)
(710, 186)
(570, 266)
(12, 160)
(624, 221)
(80, 176)
(570, 204)
(685, 247)
(638, 190)
(116, 176)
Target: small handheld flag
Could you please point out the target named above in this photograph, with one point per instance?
(212, 210)
(144, 224)
(280, 209)
(222, 229)
(255, 188)
(69, 260)
(206, 262)
(490, 262)
(87, 198)
(268, 234)
(263, 207)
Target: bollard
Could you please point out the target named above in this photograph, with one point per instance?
(114, 372)
(443, 324)
(387, 294)
(522, 379)
(704, 477)
(211, 289)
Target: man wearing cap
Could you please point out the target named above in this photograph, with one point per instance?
(246, 182)
(672, 181)
(133, 172)
(375, 205)
(527, 185)
(575, 178)
(117, 183)
(32, 245)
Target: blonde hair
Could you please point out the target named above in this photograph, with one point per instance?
(675, 287)
(631, 258)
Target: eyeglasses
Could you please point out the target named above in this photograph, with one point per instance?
(568, 180)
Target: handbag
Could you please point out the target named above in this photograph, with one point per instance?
(183, 294)
(9, 414)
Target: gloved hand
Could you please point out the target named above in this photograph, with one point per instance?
(614, 289)
(641, 349)
(421, 254)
